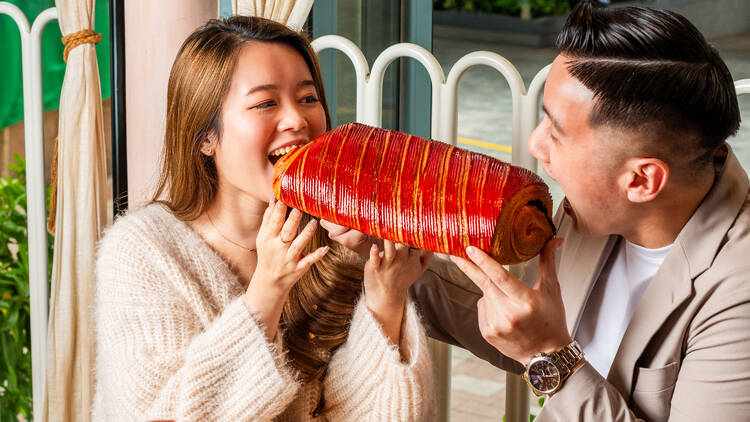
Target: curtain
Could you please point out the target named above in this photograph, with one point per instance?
(80, 217)
(291, 13)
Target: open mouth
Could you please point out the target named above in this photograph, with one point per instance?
(276, 154)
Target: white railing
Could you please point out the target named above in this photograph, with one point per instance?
(369, 89)
(31, 64)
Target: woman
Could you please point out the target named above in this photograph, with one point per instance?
(214, 303)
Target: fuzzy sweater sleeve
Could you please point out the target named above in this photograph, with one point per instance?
(163, 352)
(369, 379)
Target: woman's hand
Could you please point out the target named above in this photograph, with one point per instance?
(353, 240)
(280, 263)
(388, 276)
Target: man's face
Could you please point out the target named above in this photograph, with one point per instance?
(586, 162)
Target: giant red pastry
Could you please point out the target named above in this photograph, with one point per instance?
(421, 192)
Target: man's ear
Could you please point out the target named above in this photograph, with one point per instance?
(646, 179)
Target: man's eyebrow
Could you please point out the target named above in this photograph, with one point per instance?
(555, 122)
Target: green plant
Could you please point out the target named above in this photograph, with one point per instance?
(15, 332)
(505, 7)
(532, 416)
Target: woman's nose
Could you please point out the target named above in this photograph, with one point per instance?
(292, 118)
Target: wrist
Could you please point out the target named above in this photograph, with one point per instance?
(261, 297)
(546, 373)
(384, 300)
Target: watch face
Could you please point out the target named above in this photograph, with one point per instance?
(543, 375)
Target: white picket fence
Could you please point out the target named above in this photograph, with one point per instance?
(444, 122)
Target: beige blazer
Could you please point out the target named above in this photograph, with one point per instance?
(685, 355)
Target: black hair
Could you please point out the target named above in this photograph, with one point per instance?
(651, 68)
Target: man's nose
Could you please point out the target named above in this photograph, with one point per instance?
(537, 145)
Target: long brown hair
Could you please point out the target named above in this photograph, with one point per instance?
(316, 317)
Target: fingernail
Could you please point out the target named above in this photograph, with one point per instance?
(325, 249)
(471, 251)
(374, 248)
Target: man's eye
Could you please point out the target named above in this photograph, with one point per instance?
(310, 99)
(265, 104)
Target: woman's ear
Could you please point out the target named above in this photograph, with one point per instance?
(647, 179)
(208, 146)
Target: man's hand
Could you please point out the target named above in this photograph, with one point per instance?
(519, 321)
(352, 239)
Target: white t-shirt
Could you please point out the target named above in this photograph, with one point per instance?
(613, 300)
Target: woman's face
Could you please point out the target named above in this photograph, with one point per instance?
(272, 106)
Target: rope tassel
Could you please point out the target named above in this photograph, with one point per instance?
(70, 41)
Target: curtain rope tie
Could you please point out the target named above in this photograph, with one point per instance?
(75, 39)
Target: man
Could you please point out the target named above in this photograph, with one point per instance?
(652, 277)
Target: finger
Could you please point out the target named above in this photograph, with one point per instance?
(278, 215)
(547, 269)
(305, 263)
(333, 229)
(267, 213)
(289, 230)
(390, 250)
(375, 256)
(303, 239)
(474, 273)
(482, 318)
(499, 276)
(402, 250)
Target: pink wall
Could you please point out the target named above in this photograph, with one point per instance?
(154, 31)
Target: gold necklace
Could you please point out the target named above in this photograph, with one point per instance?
(226, 238)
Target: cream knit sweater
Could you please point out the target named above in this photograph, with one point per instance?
(175, 341)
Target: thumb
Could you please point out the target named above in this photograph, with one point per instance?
(333, 229)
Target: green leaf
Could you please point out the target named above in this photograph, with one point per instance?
(12, 318)
(541, 401)
(531, 418)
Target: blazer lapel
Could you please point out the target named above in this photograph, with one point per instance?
(692, 253)
(669, 288)
(581, 261)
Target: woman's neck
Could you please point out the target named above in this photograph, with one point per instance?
(236, 217)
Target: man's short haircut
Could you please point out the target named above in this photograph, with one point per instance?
(652, 69)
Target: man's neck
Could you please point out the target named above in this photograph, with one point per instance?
(659, 223)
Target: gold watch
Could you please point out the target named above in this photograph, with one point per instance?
(546, 372)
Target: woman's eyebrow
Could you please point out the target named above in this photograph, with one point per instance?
(268, 87)
(273, 87)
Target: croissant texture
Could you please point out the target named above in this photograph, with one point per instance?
(421, 192)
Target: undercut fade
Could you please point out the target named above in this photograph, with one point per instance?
(652, 69)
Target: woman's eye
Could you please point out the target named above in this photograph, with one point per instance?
(265, 104)
(310, 99)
